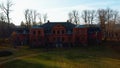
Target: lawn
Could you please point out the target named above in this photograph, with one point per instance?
(82, 57)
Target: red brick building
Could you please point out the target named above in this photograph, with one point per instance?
(58, 34)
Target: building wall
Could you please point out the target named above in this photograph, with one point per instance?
(36, 36)
(59, 36)
(21, 39)
(80, 35)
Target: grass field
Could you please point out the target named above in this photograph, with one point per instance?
(82, 57)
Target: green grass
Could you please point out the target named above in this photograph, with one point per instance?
(94, 57)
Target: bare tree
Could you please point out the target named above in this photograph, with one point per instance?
(45, 17)
(111, 15)
(88, 16)
(92, 16)
(102, 20)
(30, 17)
(6, 8)
(26, 13)
(34, 16)
(74, 17)
(102, 17)
(85, 15)
(40, 19)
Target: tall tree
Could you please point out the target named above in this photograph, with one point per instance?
(92, 16)
(111, 15)
(102, 17)
(27, 17)
(85, 16)
(34, 16)
(102, 20)
(6, 8)
(40, 19)
(30, 17)
(74, 16)
(88, 16)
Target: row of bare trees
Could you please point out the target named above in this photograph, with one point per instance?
(101, 16)
(31, 17)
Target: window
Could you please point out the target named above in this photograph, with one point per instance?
(34, 32)
(63, 32)
(63, 39)
(116, 34)
(80, 31)
(39, 38)
(53, 31)
(54, 39)
(58, 32)
(39, 32)
(34, 40)
(77, 39)
(47, 39)
(69, 39)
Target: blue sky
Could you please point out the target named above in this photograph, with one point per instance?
(57, 10)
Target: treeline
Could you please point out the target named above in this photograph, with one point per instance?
(32, 17)
(101, 16)
(6, 29)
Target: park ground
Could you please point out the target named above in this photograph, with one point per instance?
(100, 56)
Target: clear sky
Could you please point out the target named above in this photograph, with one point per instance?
(57, 10)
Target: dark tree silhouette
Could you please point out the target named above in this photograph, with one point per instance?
(74, 16)
(40, 19)
(88, 16)
(6, 8)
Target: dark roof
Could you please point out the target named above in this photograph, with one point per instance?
(48, 26)
(22, 30)
(88, 26)
(37, 26)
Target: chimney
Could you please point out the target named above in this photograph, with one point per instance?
(67, 21)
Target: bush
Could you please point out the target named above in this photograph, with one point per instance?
(5, 53)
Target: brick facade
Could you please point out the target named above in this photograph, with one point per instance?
(60, 34)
